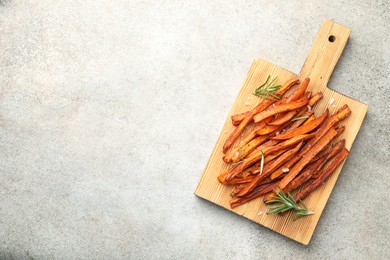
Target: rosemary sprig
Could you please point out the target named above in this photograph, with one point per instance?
(235, 163)
(299, 118)
(267, 90)
(262, 162)
(287, 202)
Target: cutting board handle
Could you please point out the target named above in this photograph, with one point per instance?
(325, 53)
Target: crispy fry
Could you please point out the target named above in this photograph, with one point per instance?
(243, 151)
(263, 105)
(240, 180)
(315, 98)
(239, 187)
(336, 148)
(332, 153)
(237, 119)
(290, 142)
(306, 128)
(300, 91)
(322, 142)
(257, 192)
(267, 159)
(266, 144)
(273, 110)
(256, 156)
(322, 153)
(340, 115)
(222, 177)
(252, 134)
(248, 171)
(299, 122)
(340, 157)
(245, 140)
(269, 169)
(305, 175)
(340, 130)
(285, 117)
(309, 119)
(288, 165)
(271, 129)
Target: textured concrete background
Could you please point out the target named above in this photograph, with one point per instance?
(109, 111)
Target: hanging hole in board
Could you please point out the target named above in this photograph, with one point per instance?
(332, 38)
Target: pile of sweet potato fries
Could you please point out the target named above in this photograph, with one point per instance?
(283, 145)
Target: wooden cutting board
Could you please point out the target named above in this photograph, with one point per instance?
(323, 56)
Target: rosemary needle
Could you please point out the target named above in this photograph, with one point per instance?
(235, 163)
(287, 202)
(242, 158)
(267, 90)
(262, 162)
(299, 118)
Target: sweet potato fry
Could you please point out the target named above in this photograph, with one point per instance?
(222, 177)
(315, 98)
(299, 122)
(269, 169)
(324, 175)
(260, 107)
(271, 129)
(340, 130)
(322, 153)
(265, 181)
(237, 119)
(300, 91)
(241, 152)
(273, 110)
(290, 142)
(245, 140)
(303, 129)
(322, 142)
(285, 117)
(340, 115)
(309, 119)
(240, 180)
(305, 175)
(239, 187)
(332, 153)
(256, 156)
(288, 165)
(336, 148)
(248, 171)
(257, 192)
(252, 134)
(267, 159)
(266, 144)
(236, 189)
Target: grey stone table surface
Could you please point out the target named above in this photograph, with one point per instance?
(109, 111)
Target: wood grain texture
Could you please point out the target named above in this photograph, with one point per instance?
(319, 65)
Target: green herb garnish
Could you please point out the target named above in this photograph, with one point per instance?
(267, 90)
(235, 163)
(299, 118)
(262, 162)
(242, 158)
(286, 203)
